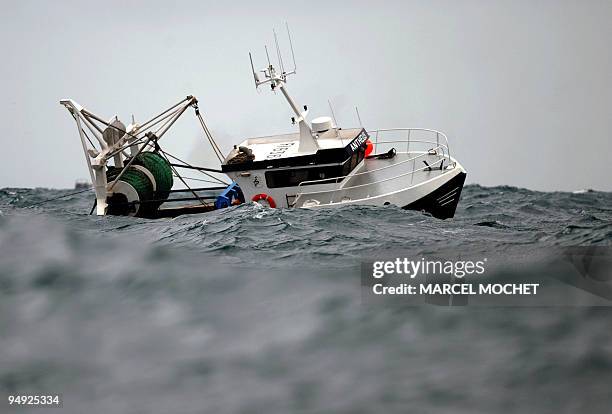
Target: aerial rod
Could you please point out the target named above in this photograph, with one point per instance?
(268, 56)
(331, 108)
(278, 53)
(278, 80)
(255, 77)
(291, 46)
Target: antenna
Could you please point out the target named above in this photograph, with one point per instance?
(291, 46)
(273, 77)
(278, 53)
(277, 81)
(267, 55)
(358, 117)
(331, 108)
(255, 77)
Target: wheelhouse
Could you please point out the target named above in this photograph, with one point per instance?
(275, 163)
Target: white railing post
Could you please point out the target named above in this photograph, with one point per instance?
(376, 142)
(408, 144)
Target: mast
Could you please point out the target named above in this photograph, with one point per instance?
(308, 142)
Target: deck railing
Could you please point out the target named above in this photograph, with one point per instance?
(377, 134)
(438, 147)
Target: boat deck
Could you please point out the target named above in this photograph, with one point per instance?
(286, 145)
(380, 176)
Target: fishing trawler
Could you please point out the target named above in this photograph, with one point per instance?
(320, 165)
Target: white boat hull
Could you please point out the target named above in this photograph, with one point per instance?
(399, 181)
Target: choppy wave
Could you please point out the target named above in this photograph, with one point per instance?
(487, 217)
(250, 309)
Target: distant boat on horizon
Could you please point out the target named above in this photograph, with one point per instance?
(82, 184)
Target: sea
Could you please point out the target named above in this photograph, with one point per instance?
(258, 310)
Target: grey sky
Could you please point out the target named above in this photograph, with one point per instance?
(522, 88)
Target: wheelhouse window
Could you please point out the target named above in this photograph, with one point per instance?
(293, 177)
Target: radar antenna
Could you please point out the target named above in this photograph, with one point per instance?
(270, 74)
(278, 80)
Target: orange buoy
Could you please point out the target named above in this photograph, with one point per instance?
(263, 196)
(369, 147)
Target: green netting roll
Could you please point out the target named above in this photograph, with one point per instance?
(161, 171)
(141, 183)
(117, 204)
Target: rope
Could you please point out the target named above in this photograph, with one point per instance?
(170, 115)
(200, 179)
(84, 133)
(57, 198)
(181, 178)
(211, 140)
(195, 168)
(137, 140)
